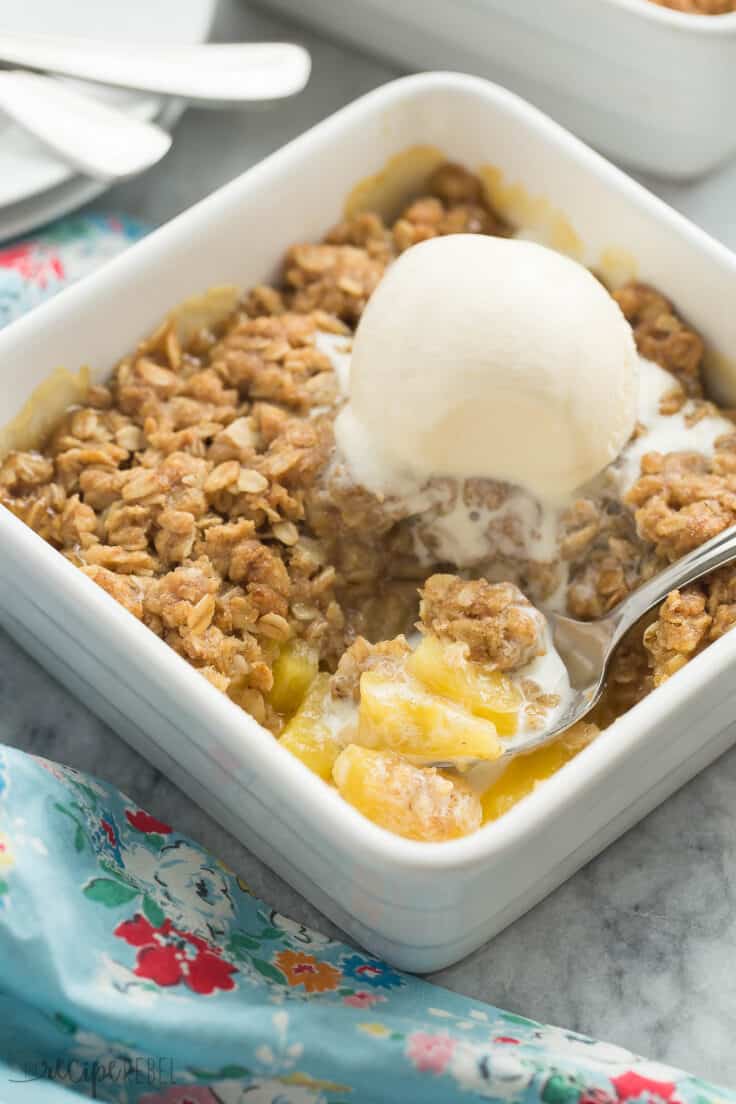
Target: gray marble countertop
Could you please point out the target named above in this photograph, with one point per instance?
(637, 948)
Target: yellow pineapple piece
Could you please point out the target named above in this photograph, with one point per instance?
(309, 735)
(444, 669)
(293, 672)
(526, 772)
(420, 803)
(398, 714)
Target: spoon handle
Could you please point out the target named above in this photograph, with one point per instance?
(207, 73)
(709, 556)
(97, 140)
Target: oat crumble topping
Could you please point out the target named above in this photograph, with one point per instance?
(494, 621)
(201, 490)
(684, 498)
(363, 656)
(661, 335)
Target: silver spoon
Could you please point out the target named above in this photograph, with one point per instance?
(95, 139)
(206, 74)
(586, 647)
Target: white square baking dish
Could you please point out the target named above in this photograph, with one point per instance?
(422, 906)
(647, 85)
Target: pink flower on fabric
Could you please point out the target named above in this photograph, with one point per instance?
(362, 999)
(180, 1094)
(429, 1053)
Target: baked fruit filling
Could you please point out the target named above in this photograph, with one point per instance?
(392, 714)
(387, 640)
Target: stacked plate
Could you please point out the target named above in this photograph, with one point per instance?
(36, 185)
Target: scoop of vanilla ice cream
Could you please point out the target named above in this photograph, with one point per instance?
(483, 356)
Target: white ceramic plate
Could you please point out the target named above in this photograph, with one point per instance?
(35, 184)
(20, 218)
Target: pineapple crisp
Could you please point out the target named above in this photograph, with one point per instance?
(201, 488)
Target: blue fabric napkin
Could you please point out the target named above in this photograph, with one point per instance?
(135, 967)
(36, 267)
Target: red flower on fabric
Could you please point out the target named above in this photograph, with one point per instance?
(169, 956)
(109, 831)
(32, 263)
(632, 1084)
(144, 822)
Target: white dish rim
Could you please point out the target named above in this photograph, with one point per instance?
(315, 799)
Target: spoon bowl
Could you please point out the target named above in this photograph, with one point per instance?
(586, 649)
(95, 139)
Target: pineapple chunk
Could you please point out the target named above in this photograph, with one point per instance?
(526, 772)
(444, 669)
(293, 672)
(309, 736)
(398, 714)
(420, 803)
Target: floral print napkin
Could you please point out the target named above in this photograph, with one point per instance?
(35, 268)
(136, 968)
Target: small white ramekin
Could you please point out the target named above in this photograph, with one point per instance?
(422, 906)
(649, 86)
